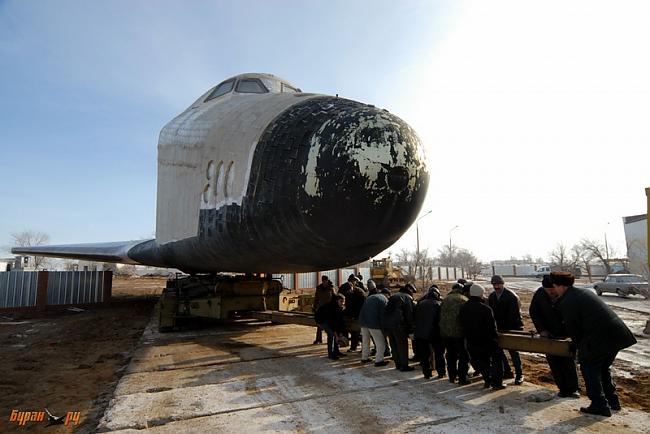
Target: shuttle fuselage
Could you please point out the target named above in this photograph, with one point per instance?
(257, 176)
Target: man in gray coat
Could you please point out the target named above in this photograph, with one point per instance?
(370, 320)
(599, 334)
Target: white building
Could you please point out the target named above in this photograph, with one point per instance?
(636, 239)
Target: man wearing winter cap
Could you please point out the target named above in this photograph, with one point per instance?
(398, 323)
(505, 306)
(347, 290)
(599, 334)
(549, 324)
(452, 335)
(427, 333)
(372, 287)
(480, 331)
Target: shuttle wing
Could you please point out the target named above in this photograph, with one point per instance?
(102, 252)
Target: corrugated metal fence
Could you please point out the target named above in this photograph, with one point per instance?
(39, 289)
(75, 287)
(18, 288)
(298, 281)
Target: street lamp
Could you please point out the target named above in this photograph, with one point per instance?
(450, 246)
(417, 246)
(607, 269)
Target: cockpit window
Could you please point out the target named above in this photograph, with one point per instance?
(222, 89)
(289, 89)
(250, 85)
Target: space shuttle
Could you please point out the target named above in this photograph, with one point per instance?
(258, 176)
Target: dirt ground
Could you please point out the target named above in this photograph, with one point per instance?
(71, 361)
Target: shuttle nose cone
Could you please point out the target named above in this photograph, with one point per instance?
(365, 178)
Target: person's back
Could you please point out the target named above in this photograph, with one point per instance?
(599, 335)
(399, 312)
(450, 326)
(323, 294)
(345, 289)
(372, 311)
(478, 325)
(545, 316)
(354, 302)
(398, 322)
(451, 333)
(427, 317)
(480, 332)
(592, 325)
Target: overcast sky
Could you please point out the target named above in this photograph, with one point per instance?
(534, 115)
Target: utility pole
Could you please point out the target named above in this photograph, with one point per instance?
(607, 266)
(417, 245)
(450, 247)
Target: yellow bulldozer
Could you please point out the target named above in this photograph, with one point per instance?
(382, 271)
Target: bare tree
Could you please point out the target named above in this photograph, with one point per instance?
(70, 265)
(126, 270)
(406, 258)
(31, 239)
(447, 255)
(418, 263)
(559, 256)
(594, 250)
(469, 262)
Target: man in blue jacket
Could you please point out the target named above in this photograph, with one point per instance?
(599, 334)
(370, 320)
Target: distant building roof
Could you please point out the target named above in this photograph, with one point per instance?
(635, 218)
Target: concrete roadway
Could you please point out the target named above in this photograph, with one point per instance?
(257, 377)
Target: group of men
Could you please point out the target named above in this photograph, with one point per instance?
(469, 325)
(438, 329)
(451, 334)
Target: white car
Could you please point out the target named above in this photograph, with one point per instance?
(542, 271)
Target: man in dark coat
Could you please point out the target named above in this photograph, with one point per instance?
(323, 295)
(427, 333)
(345, 290)
(548, 322)
(599, 334)
(480, 331)
(353, 303)
(398, 323)
(505, 306)
(330, 318)
(360, 284)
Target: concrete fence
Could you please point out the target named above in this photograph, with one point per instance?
(36, 290)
